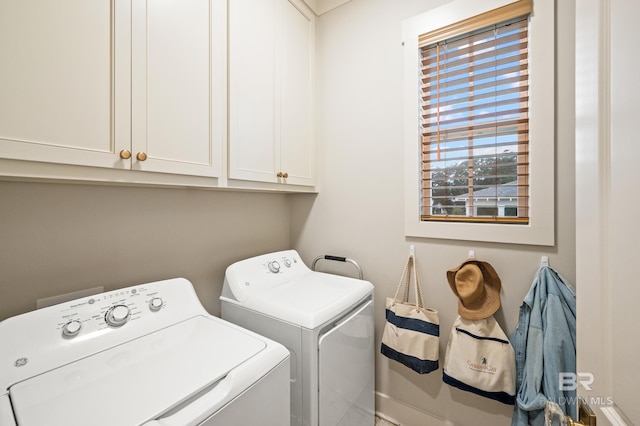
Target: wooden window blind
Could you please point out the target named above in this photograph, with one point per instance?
(475, 122)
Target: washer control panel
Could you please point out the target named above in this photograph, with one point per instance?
(113, 309)
(47, 338)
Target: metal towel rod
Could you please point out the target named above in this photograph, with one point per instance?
(338, 259)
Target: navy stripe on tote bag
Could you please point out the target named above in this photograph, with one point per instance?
(411, 333)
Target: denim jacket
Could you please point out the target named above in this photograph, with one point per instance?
(545, 345)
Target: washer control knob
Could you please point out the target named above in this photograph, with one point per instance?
(72, 328)
(287, 262)
(117, 315)
(274, 267)
(155, 304)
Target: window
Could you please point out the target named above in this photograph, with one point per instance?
(475, 125)
(479, 121)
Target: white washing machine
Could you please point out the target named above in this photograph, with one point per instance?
(326, 322)
(143, 355)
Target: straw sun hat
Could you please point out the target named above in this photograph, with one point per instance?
(477, 286)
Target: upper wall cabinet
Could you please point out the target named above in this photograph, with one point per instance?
(178, 85)
(59, 88)
(119, 84)
(271, 91)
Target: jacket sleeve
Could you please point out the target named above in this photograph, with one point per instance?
(560, 343)
(528, 340)
(530, 395)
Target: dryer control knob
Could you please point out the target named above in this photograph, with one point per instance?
(155, 304)
(72, 328)
(117, 315)
(274, 267)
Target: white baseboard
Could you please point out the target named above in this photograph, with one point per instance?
(613, 416)
(405, 415)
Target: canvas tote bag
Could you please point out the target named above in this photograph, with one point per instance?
(411, 333)
(480, 359)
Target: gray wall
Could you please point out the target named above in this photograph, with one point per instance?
(359, 210)
(58, 238)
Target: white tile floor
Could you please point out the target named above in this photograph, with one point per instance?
(383, 422)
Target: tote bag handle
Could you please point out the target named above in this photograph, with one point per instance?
(406, 278)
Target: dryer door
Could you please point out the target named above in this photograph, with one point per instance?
(346, 370)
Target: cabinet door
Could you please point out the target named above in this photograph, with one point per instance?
(253, 135)
(64, 81)
(179, 87)
(297, 134)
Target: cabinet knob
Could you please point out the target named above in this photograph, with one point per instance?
(141, 156)
(280, 174)
(285, 175)
(125, 154)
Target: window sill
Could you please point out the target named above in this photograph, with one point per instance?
(532, 234)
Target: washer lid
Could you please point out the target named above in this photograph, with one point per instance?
(135, 382)
(309, 300)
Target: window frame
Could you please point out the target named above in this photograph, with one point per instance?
(540, 229)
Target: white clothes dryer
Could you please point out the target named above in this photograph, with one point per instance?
(143, 355)
(326, 322)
